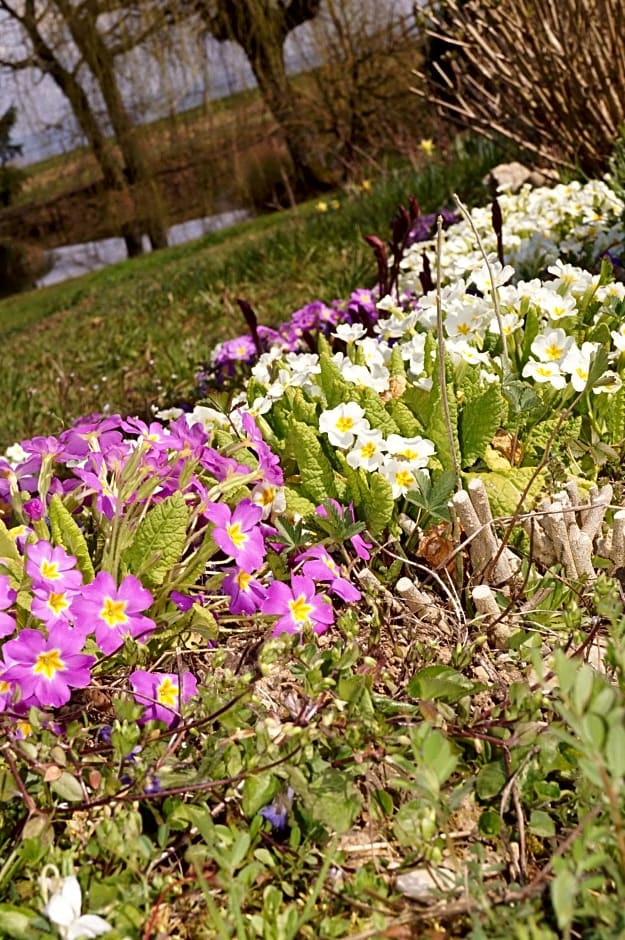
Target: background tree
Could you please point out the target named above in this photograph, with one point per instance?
(77, 44)
(11, 177)
(260, 28)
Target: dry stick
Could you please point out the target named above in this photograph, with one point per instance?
(440, 341)
(505, 360)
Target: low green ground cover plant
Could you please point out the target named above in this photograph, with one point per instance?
(263, 676)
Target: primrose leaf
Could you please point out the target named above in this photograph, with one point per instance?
(505, 485)
(441, 683)
(378, 504)
(10, 558)
(333, 385)
(375, 411)
(316, 473)
(301, 409)
(159, 540)
(479, 421)
(66, 533)
(403, 417)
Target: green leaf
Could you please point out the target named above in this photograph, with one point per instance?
(563, 896)
(8, 548)
(441, 683)
(403, 417)
(479, 421)
(258, 791)
(301, 408)
(68, 788)
(296, 503)
(316, 473)
(66, 533)
(436, 428)
(505, 486)
(541, 824)
(159, 540)
(375, 411)
(18, 922)
(333, 385)
(378, 504)
(490, 780)
(434, 493)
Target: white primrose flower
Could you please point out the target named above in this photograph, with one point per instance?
(556, 306)
(618, 338)
(349, 332)
(16, 454)
(63, 909)
(272, 499)
(545, 373)
(460, 349)
(416, 451)
(368, 452)
(510, 322)
(400, 475)
(343, 423)
(577, 362)
(209, 418)
(552, 346)
(482, 278)
(376, 378)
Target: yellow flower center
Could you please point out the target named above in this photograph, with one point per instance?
(113, 612)
(330, 563)
(57, 603)
(237, 536)
(404, 478)
(50, 570)
(545, 371)
(582, 373)
(344, 423)
(4, 687)
(553, 351)
(168, 693)
(48, 664)
(243, 580)
(464, 329)
(267, 496)
(300, 609)
(368, 449)
(409, 454)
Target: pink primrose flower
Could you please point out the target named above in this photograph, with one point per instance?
(114, 612)
(46, 670)
(268, 462)
(246, 593)
(7, 599)
(54, 607)
(320, 566)
(91, 434)
(52, 568)
(161, 694)
(236, 532)
(298, 606)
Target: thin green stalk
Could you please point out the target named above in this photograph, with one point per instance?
(505, 359)
(440, 340)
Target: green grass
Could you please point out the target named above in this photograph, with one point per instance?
(132, 335)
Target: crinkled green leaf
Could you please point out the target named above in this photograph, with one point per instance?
(10, 559)
(301, 408)
(505, 487)
(403, 418)
(316, 474)
(479, 420)
(378, 504)
(397, 366)
(375, 411)
(159, 540)
(332, 383)
(67, 533)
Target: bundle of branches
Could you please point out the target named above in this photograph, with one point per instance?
(549, 76)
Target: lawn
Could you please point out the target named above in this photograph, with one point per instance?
(337, 652)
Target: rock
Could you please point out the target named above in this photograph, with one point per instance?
(510, 177)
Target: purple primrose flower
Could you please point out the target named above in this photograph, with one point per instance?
(161, 694)
(114, 612)
(298, 606)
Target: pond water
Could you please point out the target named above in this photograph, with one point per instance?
(74, 260)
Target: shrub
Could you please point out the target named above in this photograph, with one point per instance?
(548, 76)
